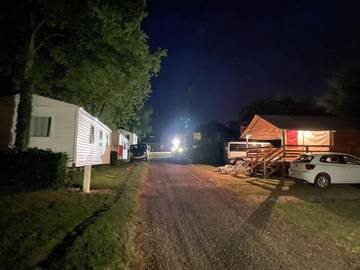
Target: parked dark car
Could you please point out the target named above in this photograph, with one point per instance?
(139, 152)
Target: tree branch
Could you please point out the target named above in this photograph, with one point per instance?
(46, 39)
(101, 110)
(38, 28)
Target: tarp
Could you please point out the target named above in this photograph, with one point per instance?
(307, 130)
(309, 138)
(260, 129)
(292, 137)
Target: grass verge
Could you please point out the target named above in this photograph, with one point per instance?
(335, 220)
(333, 213)
(66, 230)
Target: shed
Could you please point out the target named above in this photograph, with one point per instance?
(310, 133)
(60, 127)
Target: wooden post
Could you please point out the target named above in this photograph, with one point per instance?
(264, 168)
(87, 178)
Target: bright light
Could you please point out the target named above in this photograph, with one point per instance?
(180, 150)
(305, 132)
(176, 143)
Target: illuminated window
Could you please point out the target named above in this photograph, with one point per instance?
(40, 126)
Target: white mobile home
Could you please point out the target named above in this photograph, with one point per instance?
(120, 145)
(132, 137)
(60, 127)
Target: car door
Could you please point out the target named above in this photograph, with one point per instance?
(332, 165)
(352, 173)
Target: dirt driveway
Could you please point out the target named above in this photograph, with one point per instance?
(191, 223)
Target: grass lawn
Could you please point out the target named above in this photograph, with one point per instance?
(333, 213)
(336, 220)
(66, 230)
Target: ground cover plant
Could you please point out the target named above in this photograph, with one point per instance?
(55, 229)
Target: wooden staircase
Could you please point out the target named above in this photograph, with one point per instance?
(265, 161)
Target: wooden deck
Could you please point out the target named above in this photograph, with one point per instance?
(267, 160)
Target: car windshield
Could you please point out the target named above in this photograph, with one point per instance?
(305, 158)
(138, 147)
(237, 147)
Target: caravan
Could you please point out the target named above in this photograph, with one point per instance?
(60, 127)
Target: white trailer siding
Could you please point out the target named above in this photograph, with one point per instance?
(62, 125)
(91, 150)
(117, 140)
(125, 143)
(132, 137)
(69, 130)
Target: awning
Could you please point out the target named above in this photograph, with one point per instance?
(260, 129)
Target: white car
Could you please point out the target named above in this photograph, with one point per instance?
(326, 168)
(236, 151)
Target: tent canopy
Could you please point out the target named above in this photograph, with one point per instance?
(268, 127)
(261, 129)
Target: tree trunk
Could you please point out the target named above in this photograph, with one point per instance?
(24, 118)
(25, 105)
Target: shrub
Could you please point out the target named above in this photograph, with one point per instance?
(33, 168)
(208, 152)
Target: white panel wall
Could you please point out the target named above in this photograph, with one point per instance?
(61, 138)
(133, 138)
(115, 138)
(125, 143)
(91, 153)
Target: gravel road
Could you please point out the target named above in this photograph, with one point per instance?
(188, 222)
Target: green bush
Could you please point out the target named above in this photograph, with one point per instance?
(33, 168)
(208, 152)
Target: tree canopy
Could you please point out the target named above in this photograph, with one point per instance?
(90, 53)
(141, 124)
(343, 95)
(279, 105)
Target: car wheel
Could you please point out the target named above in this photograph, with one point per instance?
(322, 180)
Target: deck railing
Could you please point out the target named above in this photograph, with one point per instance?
(269, 154)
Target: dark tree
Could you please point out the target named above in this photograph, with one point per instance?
(91, 53)
(279, 105)
(343, 96)
(141, 124)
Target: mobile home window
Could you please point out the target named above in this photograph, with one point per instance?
(100, 138)
(40, 126)
(92, 131)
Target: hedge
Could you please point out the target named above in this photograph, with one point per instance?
(33, 168)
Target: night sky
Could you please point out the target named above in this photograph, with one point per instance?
(231, 53)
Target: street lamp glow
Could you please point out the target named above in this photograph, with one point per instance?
(175, 143)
